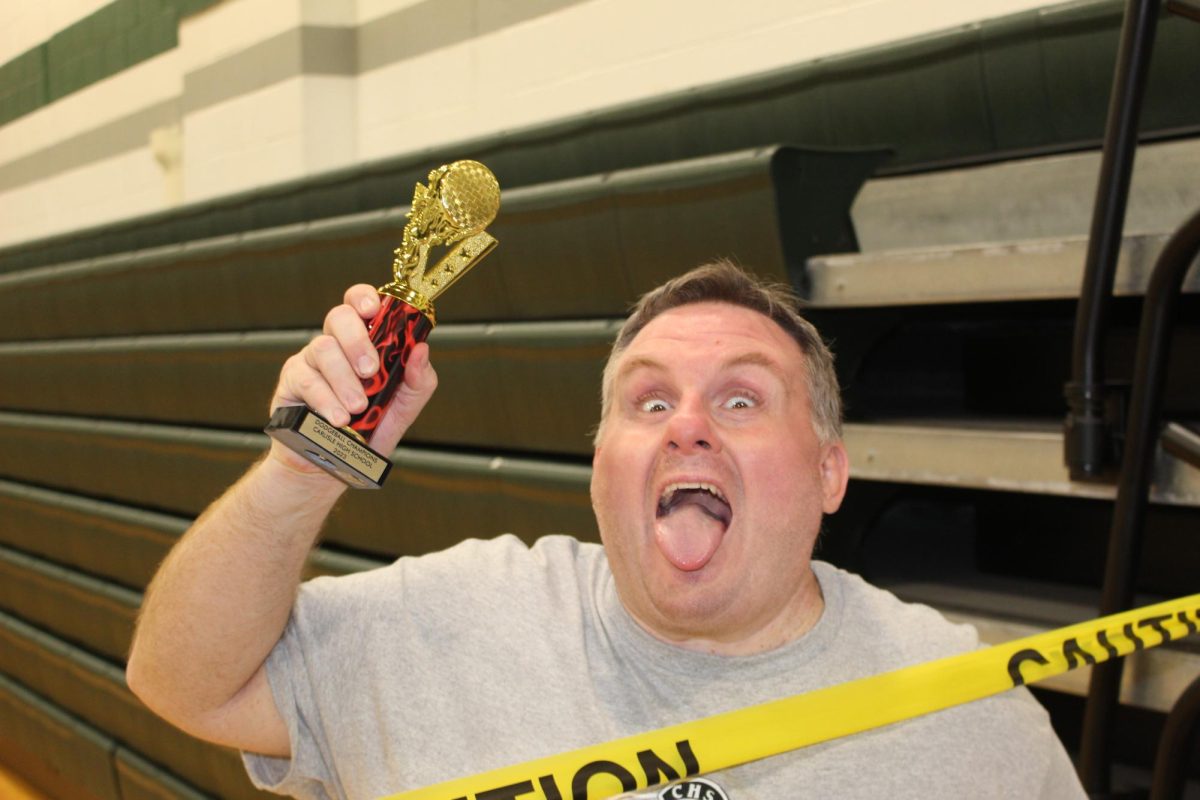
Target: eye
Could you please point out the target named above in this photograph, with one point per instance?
(740, 401)
(653, 405)
(651, 402)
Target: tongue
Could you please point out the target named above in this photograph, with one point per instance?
(688, 536)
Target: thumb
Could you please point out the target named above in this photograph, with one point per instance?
(420, 381)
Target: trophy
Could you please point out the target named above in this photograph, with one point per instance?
(461, 200)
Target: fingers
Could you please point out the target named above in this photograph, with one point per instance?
(303, 382)
(344, 325)
(363, 298)
(327, 374)
(420, 378)
(420, 381)
(327, 359)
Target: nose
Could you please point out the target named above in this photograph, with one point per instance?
(690, 430)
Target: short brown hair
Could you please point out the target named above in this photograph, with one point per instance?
(724, 282)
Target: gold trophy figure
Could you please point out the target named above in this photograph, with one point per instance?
(460, 201)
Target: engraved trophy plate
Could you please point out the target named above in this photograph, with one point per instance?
(452, 211)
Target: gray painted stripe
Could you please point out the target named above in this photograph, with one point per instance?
(310, 50)
(434, 24)
(415, 30)
(110, 139)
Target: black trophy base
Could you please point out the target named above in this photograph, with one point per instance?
(308, 433)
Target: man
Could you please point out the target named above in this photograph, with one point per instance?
(717, 455)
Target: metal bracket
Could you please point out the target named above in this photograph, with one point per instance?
(1094, 432)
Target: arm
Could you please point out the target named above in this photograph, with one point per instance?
(221, 599)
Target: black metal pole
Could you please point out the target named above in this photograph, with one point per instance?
(1088, 442)
(1141, 438)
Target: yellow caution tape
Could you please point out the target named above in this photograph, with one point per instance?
(737, 737)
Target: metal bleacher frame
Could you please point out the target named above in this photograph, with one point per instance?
(1096, 410)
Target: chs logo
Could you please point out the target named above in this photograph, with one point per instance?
(693, 789)
(686, 789)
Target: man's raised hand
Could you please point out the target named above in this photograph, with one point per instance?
(327, 376)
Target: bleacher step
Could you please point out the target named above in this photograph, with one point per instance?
(1032, 269)
(1033, 198)
(1015, 457)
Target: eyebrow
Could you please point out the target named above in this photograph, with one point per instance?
(755, 358)
(752, 358)
(640, 362)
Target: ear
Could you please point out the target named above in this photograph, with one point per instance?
(835, 474)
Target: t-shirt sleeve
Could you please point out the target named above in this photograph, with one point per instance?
(306, 774)
(362, 669)
(312, 671)
(1061, 779)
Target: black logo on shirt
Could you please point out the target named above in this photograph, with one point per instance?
(693, 789)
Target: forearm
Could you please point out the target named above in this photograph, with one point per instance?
(222, 597)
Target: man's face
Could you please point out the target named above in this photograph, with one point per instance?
(709, 482)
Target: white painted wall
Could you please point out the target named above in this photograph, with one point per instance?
(143, 85)
(581, 57)
(112, 188)
(301, 126)
(605, 52)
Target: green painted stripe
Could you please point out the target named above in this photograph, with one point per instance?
(23, 84)
(126, 32)
(108, 41)
(104, 43)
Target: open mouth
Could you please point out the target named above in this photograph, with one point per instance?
(691, 520)
(705, 497)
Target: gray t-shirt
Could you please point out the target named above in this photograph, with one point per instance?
(493, 653)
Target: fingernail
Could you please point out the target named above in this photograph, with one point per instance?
(365, 305)
(366, 365)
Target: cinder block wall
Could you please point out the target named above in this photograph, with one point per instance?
(113, 109)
